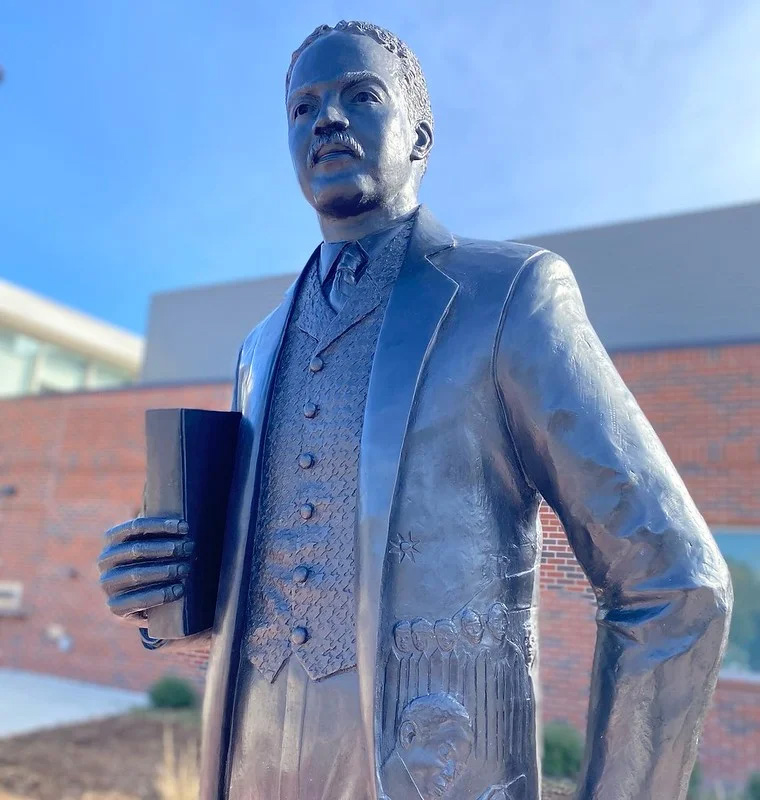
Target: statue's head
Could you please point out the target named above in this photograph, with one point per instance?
(422, 634)
(434, 742)
(472, 625)
(530, 642)
(402, 636)
(498, 620)
(359, 119)
(445, 635)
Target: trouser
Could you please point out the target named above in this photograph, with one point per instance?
(297, 739)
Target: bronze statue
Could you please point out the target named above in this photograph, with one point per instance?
(404, 410)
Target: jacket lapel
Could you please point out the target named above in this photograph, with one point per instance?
(258, 359)
(314, 315)
(417, 306)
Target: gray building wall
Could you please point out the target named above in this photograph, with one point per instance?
(686, 279)
(679, 280)
(195, 334)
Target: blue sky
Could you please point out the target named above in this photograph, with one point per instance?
(144, 143)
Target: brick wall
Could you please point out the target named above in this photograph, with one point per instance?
(78, 464)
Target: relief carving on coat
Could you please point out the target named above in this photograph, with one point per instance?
(471, 660)
(432, 746)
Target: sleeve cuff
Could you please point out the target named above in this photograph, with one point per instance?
(148, 642)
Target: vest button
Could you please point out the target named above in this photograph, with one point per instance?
(310, 410)
(299, 635)
(306, 511)
(306, 460)
(316, 364)
(300, 574)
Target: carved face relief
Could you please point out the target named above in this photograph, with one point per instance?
(422, 634)
(402, 637)
(530, 642)
(434, 742)
(497, 621)
(445, 635)
(472, 625)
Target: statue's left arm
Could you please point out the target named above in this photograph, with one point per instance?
(663, 590)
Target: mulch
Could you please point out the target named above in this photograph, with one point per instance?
(110, 759)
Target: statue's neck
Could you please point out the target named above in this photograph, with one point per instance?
(346, 229)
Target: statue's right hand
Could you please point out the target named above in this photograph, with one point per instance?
(144, 564)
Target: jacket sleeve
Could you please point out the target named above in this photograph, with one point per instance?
(663, 591)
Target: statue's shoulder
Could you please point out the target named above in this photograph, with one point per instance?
(488, 263)
(249, 343)
(275, 318)
(504, 250)
(247, 355)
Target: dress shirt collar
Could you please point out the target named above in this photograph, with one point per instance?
(372, 245)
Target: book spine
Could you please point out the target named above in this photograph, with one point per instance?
(165, 497)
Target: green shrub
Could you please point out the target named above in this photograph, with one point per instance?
(563, 750)
(695, 783)
(752, 792)
(172, 692)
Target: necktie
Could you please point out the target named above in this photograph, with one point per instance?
(346, 274)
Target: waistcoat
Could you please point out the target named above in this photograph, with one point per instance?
(302, 586)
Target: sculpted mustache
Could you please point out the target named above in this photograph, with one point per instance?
(338, 137)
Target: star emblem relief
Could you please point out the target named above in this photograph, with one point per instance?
(405, 547)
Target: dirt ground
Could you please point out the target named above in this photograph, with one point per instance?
(111, 759)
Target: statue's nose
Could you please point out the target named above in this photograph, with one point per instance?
(330, 118)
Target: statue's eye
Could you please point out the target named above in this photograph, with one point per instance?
(365, 96)
(301, 108)
(444, 750)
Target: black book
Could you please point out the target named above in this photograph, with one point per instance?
(191, 458)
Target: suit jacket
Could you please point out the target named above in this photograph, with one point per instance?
(489, 390)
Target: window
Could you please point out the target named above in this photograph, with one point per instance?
(741, 549)
(102, 376)
(30, 366)
(10, 598)
(60, 371)
(17, 357)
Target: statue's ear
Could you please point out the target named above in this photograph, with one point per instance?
(406, 734)
(423, 141)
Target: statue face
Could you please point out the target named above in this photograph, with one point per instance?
(530, 643)
(497, 620)
(402, 636)
(435, 762)
(350, 136)
(422, 634)
(472, 625)
(445, 635)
